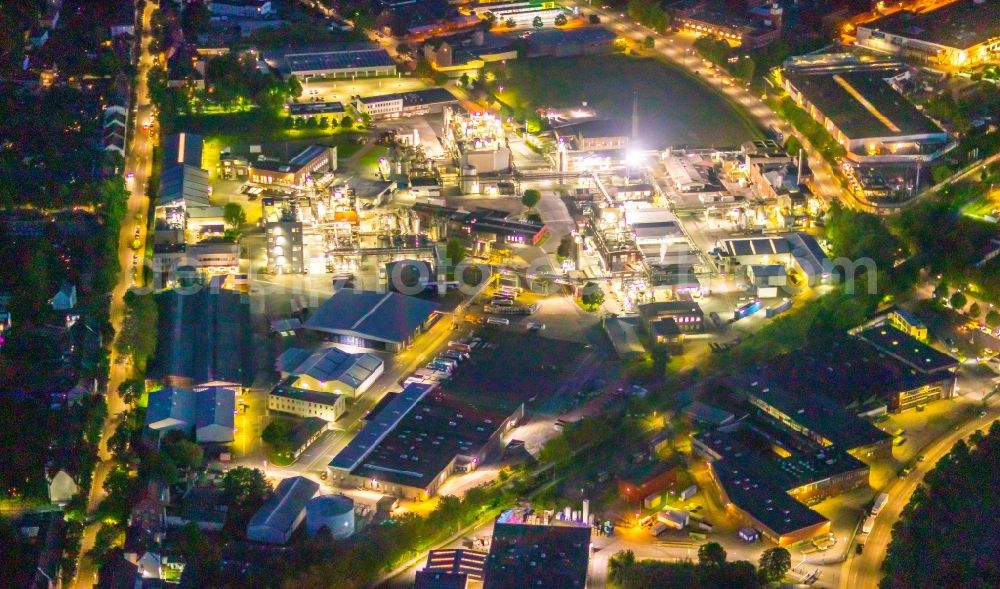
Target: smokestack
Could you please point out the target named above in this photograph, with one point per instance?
(798, 179)
(635, 116)
(586, 511)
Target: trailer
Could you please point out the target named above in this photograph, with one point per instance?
(880, 502)
(866, 528)
(675, 518)
(657, 529)
(689, 492)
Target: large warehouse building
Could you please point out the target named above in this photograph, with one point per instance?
(866, 115)
(346, 61)
(382, 321)
(961, 33)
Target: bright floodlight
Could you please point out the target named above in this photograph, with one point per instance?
(634, 157)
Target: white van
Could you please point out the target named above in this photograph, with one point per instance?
(498, 321)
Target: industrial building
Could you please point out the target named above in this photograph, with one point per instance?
(333, 512)
(182, 149)
(405, 104)
(529, 555)
(298, 171)
(491, 226)
(204, 338)
(241, 8)
(798, 251)
(960, 33)
(865, 114)
(332, 62)
(284, 246)
(308, 110)
(524, 13)
(332, 370)
(569, 42)
(860, 377)
(767, 466)
(383, 321)
(439, 435)
(457, 561)
(687, 315)
(284, 398)
(209, 257)
(594, 135)
(208, 413)
(281, 515)
(477, 141)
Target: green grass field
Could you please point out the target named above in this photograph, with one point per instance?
(674, 108)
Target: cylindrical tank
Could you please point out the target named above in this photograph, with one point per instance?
(334, 512)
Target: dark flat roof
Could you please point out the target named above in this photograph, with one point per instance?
(961, 25)
(415, 98)
(204, 336)
(389, 317)
(320, 60)
(847, 370)
(182, 149)
(831, 95)
(817, 413)
(524, 555)
(907, 349)
(376, 429)
(768, 504)
(314, 108)
(428, 438)
(581, 35)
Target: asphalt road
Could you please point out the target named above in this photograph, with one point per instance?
(137, 162)
(864, 571)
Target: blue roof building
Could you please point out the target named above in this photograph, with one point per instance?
(384, 321)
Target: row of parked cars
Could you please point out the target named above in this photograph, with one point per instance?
(443, 365)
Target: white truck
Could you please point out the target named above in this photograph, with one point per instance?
(880, 502)
(657, 529)
(866, 528)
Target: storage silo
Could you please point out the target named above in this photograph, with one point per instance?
(335, 512)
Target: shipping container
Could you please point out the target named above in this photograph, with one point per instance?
(689, 492)
(746, 309)
(775, 310)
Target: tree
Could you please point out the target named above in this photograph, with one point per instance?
(792, 145)
(537, 22)
(958, 300)
(594, 19)
(560, 20)
(711, 555)
(941, 290)
(511, 23)
(234, 215)
(775, 564)
(993, 319)
(131, 390)
(245, 490)
(565, 248)
(455, 251)
(620, 565)
(975, 311)
(940, 173)
(293, 86)
(347, 122)
(181, 451)
(530, 198)
(649, 42)
(593, 295)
